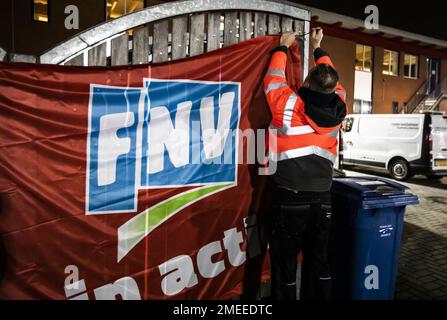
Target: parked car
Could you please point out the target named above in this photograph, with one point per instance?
(402, 144)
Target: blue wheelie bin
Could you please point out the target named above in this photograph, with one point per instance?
(367, 222)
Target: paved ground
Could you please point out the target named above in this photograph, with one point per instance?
(422, 270)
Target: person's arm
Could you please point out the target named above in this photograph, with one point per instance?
(322, 56)
(276, 87)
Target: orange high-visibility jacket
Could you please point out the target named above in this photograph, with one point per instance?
(295, 134)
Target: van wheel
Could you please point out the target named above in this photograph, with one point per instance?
(400, 170)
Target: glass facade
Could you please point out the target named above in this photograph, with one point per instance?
(362, 106)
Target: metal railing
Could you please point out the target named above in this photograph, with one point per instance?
(418, 98)
(440, 89)
(433, 99)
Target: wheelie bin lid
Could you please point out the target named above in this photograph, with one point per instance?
(373, 192)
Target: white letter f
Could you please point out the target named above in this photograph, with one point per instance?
(110, 147)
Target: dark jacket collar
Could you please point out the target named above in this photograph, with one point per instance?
(326, 110)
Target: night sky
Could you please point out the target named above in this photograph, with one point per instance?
(429, 19)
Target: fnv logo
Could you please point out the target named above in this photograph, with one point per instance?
(170, 133)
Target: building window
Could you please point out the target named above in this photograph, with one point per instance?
(391, 63)
(411, 66)
(40, 10)
(362, 106)
(395, 107)
(117, 8)
(363, 58)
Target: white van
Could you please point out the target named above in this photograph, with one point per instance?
(402, 144)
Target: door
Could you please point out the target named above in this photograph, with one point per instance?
(368, 145)
(432, 75)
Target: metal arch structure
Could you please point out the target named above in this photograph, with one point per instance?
(2, 54)
(106, 30)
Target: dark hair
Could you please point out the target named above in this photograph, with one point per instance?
(323, 78)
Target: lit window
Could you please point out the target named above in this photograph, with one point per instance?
(391, 62)
(363, 58)
(117, 8)
(411, 66)
(40, 10)
(362, 106)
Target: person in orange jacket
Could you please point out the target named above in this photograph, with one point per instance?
(305, 126)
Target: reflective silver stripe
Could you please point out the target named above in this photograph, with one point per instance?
(333, 134)
(293, 131)
(301, 152)
(285, 188)
(341, 93)
(329, 278)
(273, 86)
(276, 72)
(288, 110)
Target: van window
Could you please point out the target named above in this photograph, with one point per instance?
(347, 124)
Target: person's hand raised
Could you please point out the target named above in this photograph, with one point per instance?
(287, 39)
(316, 37)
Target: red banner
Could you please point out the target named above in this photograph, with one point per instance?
(127, 182)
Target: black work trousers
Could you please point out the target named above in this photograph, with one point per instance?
(300, 222)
